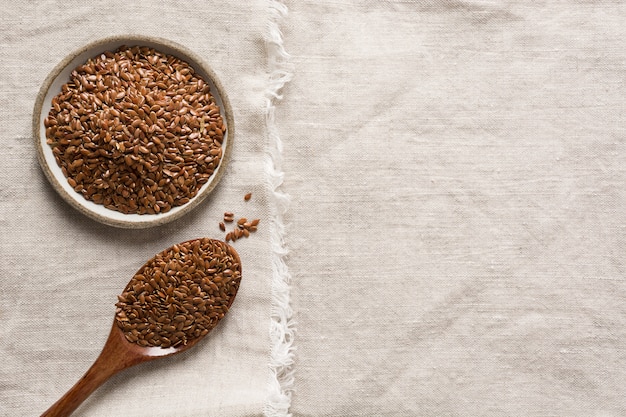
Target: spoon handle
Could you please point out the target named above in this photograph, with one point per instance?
(114, 357)
(93, 378)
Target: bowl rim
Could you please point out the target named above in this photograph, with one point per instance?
(99, 212)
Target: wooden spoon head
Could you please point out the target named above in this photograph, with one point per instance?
(177, 298)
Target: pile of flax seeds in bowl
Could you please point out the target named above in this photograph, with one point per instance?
(139, 132)
(136, 130)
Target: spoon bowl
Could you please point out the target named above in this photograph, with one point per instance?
(120, 353)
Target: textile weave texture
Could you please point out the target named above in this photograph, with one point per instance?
(457, 225)
(61, 272)
(440, 185)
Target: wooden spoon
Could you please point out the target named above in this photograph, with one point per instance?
(119, 353)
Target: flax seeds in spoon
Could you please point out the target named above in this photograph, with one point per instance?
(179, 295)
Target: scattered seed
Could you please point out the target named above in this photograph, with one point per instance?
(247, 196)
(243, 227)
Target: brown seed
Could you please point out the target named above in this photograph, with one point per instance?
(247, 196)
(222, 227)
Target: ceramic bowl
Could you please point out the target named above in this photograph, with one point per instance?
(52, 86)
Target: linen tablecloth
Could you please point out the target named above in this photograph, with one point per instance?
(457, 227)
(441, 192)
(61, 271)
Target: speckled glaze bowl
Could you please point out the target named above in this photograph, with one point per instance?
(52, 86)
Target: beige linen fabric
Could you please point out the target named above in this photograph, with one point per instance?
(456, 229)
(61, 272)
(457, 225)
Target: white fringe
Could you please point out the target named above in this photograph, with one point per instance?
(282, 325)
